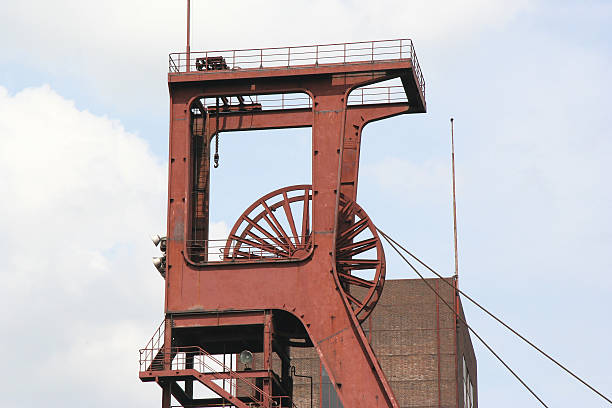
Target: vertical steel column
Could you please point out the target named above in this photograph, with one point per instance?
(267, 358)
(350, 159)
(167, 348)
(166, 394)
(189, 383)
(327, 134)
(351, 373)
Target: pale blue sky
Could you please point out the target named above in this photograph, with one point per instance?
(83, 152)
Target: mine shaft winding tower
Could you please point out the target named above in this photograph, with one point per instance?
(303, 266)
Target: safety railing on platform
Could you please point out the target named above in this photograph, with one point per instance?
(258, 102)
(370, 95)
(367, 95)
(193, 357)
(154, 345)
(249, 248)
(297, 57)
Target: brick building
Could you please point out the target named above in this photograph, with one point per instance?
(425, 353)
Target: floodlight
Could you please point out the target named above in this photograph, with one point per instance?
(159, 241)
(246, 358)
(156, 239)
(160, 264)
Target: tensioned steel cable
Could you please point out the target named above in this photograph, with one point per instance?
(567, 370)
(456, 312)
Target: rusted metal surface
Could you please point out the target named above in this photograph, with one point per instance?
(193, 363)
(298, 57)
(297, 252)
(259, 236)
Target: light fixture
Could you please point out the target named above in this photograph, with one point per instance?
(246, 358)
(161, 241)
(160, 264)
(156, 239)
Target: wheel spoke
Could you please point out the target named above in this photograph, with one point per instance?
(267, 237)
(353, 231)
(353, 300)
(289, 215)
(247, 255)
(355, 280)
(264, 247)
(279, 227)
(305, 217)
(347, 210)
(356, 248)
(358, 264)
(271, 248)
(263, 231)
(282, 242)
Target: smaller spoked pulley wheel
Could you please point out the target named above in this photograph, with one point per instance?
(277, 227)
(360, 258)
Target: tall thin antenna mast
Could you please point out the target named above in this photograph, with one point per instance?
(456, 277)
(188, 50)
(454, 199)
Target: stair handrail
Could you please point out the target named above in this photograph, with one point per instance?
(154, 345)
(204, 368)
(267, 397)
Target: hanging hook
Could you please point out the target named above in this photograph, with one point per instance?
(216, 156)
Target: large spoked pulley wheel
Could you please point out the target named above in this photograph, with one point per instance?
(277, 227)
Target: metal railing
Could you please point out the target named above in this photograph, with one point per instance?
(249, 249)
(193, 357)
(265, 102)
(154, 345)
(298, 57)
(367, 95)
(370, 95)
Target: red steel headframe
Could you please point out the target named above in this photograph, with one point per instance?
(309, 286)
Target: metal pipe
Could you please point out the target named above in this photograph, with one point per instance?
(452, 120)
(456, 277)
(188, 35)
(294, 374)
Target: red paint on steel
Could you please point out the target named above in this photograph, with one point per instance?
(258, 236)
(310, 266)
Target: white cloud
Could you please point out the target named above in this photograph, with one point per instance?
(423, 182)
(537, 179)
(118, 49)
(218, 230)
(80, 196)
(217, 235)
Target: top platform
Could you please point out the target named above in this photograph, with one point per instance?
(320, 58)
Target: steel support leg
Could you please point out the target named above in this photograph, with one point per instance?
(189, 383)
(267, 349)
(166, 394)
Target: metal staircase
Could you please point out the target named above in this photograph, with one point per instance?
(191, 363)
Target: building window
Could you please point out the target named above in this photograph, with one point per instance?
(468, 389)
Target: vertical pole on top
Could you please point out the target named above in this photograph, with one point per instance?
(188, 50)
(456, 277)
(454, 199)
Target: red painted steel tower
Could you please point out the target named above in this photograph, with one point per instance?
(303, 266)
